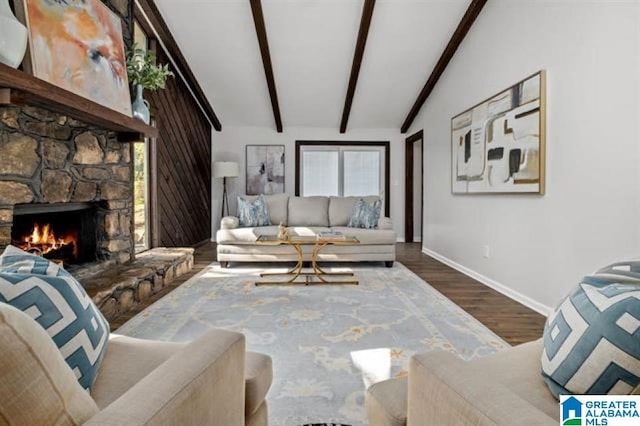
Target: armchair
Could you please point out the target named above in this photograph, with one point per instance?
(442, 389)
(211, 380)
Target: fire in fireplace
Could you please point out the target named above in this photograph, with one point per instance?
(44, 242)
(65, 233)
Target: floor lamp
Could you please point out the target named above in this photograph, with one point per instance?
(224, 170)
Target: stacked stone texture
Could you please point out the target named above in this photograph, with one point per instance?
(50, 158)
(115, 290)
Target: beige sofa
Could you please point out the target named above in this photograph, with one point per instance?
(141, 382)
(501, 389)
(306, 216)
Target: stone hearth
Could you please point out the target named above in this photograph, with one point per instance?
(117, 289)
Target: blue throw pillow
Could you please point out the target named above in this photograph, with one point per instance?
(57, 301)
(592, 340)
(253, 213)
(365, 215)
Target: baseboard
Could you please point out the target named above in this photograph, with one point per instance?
(499, 287)
(399, 240)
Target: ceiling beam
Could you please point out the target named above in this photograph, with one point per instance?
(261, 32)
(147, 9)
(456, 39)
(363, 32)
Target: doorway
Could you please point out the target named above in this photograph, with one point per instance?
(414, 194)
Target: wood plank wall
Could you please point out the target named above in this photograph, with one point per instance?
(183, 166)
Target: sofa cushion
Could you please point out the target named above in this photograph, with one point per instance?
(128, 360)
(284, 253)
(515, 368)
(368, 236)
(38, 387)
(386, 402)
(259, 418)
(244, 235)
(365, 215)
(591, 343)
(258, 375)
(341, 209)
(308, 211)
(448, 390)
(253, 213)
(59, 303)
(277, 204)
(306, 231)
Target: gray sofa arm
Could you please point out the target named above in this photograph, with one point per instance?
(447, 390)
(201, 384)
(229, 222)
(385, 223)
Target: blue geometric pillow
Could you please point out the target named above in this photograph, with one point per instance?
(57, 301)
(592, 340)
(365, 215)
(253, 213)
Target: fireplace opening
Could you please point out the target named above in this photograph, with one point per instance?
(65, 233)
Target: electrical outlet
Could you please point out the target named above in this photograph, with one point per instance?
(485, 252)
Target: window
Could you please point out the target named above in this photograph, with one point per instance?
(139, 37)
(362, 173)
(141, 184)
(342, 169)
(141, 195)
(320, 173)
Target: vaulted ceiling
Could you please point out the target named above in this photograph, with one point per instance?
(312, 45)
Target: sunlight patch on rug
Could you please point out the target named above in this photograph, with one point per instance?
(327, 342)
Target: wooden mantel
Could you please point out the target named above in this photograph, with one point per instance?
(20, 88)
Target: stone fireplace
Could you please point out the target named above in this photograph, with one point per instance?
(63, 180)
(66, 192)
(66, 188)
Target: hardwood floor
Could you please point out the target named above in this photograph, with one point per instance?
(514, 322)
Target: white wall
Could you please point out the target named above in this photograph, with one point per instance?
(229, 145)
(540, 246)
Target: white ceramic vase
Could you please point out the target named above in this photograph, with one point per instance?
(13, 37)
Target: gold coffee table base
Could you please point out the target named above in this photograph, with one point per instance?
(316, 271)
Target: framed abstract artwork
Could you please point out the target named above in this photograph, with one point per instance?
(77, 45)
(265, 169)
(498, 146)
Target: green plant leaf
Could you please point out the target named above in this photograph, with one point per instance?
(143, 70)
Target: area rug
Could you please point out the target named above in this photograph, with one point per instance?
(327, 342)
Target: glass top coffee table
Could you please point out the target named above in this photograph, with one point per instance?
(316, 276)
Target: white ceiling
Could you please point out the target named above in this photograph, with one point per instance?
(312, 44)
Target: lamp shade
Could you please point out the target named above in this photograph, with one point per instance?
(222, 169)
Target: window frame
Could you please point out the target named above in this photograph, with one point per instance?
(150, 169)
(346, 145)
(145, 143)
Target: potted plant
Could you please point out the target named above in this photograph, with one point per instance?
(145, 74)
